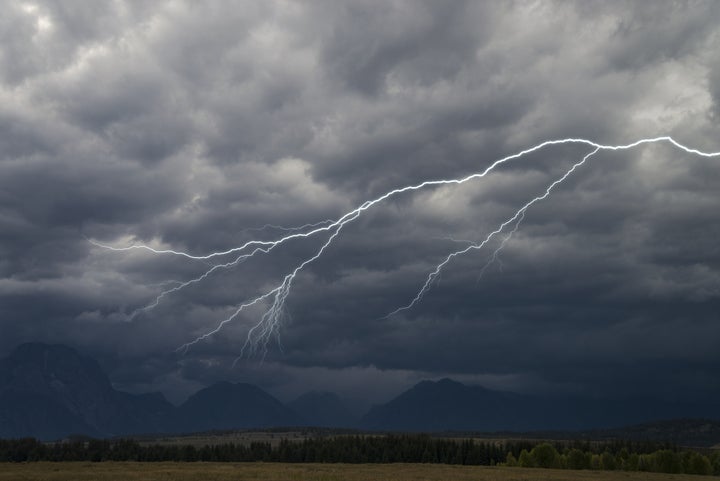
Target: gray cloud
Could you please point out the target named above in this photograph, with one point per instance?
(190, 127)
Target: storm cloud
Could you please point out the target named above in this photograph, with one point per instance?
(191, 127)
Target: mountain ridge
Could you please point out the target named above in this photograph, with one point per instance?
(226, 405)
(70, 392)
(448, 405)
(50, 391)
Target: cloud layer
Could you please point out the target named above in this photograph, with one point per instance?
(190, 127)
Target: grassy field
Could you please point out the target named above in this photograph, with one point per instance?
(110, 471)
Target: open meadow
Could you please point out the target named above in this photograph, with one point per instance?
(130, 471)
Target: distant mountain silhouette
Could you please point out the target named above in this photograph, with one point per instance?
(233, 406)
(448, 405)
(49, 391)
(324, 409)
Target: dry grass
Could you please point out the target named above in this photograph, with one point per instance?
(111, 471)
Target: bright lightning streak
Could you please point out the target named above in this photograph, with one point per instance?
(515, 218)
(457, 241)
(496, 253)
(269, 322)
(239, 259)
(204, 275)
(268, 325)
(430, 183)
(287, 229)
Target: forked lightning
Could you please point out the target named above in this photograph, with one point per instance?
(328, 230)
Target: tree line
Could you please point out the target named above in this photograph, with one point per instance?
(615, 455)
(674, 461)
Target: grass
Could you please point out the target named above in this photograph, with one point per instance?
(117, 471)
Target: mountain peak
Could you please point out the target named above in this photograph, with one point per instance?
(51, 368)
(226, 405)
(445, 383)
(446, 405)
(51, 390)
(448, 381)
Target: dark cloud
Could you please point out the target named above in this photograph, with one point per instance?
(192, 127)
(375, 46)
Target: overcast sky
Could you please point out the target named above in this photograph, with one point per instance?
(190, 127)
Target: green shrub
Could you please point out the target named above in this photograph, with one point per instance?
(667, 461)
(632, 462)
(608, 462)
(545, 456)
(577, 459)
(526, 460)
(696, 463)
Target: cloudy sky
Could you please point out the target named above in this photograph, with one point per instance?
(191, 127)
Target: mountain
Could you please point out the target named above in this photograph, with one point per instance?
(48, 391)
(448, 405)
(233, 406)
(323, 409)
(52, 391)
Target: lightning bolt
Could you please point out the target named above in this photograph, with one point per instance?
(517, 218)
(274, 299)
(238, 260)
(287, 229)
(496, 253)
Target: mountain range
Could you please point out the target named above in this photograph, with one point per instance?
(448, 405)
(52, 391)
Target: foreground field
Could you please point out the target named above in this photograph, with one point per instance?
(112, 471)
